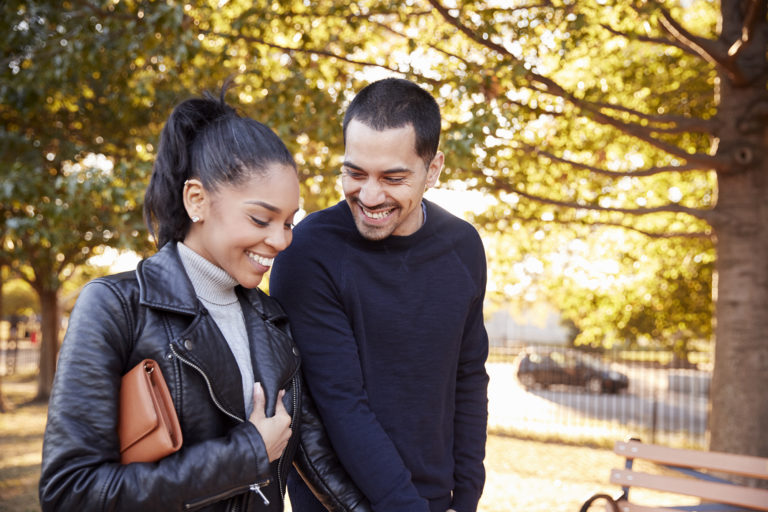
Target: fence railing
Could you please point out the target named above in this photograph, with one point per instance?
(552, 392)
(567, 394)
(19, 356)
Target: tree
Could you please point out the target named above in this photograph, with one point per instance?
(84, 89)
(645, 114)
(697, 152)
(79, 91)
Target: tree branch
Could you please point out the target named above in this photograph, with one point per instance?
(102, 14)
(552, 87)
(710, 51)
(748, 28)
(644, 134)
(651, 234)
(309, 51)
(647, 39)
(615, 174)
(467, 31)
(655, 234)
(392, 31)
(705, 215)
(541, 5)
(680, 124)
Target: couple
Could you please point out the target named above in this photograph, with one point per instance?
(384, 292)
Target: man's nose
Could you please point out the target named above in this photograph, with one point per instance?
(371, 192)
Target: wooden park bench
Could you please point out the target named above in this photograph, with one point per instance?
(715, 492)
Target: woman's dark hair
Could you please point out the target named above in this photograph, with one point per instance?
(206, 139)
(394, 103)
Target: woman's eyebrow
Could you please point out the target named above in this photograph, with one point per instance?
(268, 206)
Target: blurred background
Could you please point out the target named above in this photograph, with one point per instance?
(612, 154)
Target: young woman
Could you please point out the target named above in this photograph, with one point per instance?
(220, 203)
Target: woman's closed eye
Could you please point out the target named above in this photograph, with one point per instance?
(259, 222)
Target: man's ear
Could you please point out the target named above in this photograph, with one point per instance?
(434, 169)
(195, 199)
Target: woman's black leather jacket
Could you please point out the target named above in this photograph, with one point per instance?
(223, 465)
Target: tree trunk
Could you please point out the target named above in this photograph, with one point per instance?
(49, 348)
(739, 410)
(3, 406)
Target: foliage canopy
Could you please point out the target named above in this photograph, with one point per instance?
(635, 127)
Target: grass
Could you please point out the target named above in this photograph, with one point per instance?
(523, 473)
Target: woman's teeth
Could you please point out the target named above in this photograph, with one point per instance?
(261, 260)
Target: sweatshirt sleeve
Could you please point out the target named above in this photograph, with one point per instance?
(471, 419)
(306, 288)
(319, 466)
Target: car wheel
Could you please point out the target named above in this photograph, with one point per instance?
(527, 381)
(595, 385)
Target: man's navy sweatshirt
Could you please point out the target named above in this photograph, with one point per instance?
(393, 351)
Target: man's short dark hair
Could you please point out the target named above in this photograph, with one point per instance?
(394, 103)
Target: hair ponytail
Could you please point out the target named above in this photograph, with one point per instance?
(203, 138)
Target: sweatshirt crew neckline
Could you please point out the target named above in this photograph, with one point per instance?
(393, 241)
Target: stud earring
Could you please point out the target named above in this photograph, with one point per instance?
(195, 218)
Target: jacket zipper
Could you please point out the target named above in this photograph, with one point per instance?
(280, 483)
(208, 383)
(257, 489)
(229, 494)
(253, 487)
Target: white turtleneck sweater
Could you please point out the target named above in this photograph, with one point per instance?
(216, 290)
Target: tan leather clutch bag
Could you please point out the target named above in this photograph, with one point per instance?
(148, 428)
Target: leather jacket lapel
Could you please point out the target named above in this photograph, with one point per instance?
(164, 284)
(202, 346)
(195, 337)
(198, 342)
(273, 353)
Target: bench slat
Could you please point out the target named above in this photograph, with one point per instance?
(625, 506)
(718, 461)
(718, 492)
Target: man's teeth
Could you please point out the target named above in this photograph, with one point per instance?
(261, 260)
(376, 215)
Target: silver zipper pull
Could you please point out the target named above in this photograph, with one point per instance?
(257, 489)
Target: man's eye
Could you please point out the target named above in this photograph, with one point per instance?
(392, 179)
(353, 174)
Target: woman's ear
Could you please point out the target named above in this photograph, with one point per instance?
(195, 199)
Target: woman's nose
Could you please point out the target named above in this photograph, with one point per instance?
(279, 238)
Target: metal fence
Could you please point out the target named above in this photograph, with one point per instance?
(566, 394)
(19, 356)
(561, 399)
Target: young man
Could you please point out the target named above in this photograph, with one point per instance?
(385, 295)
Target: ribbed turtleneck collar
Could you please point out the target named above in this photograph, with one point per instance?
(212, 284)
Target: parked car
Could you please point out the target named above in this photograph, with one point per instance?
(550, 367)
